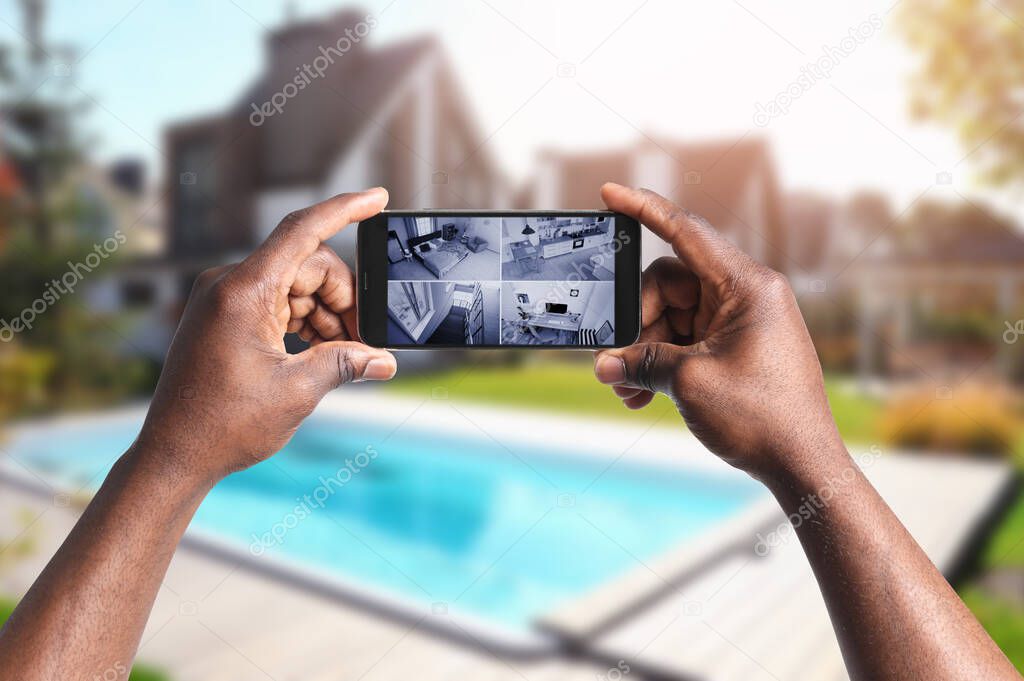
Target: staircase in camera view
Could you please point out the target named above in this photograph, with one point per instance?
(464, 323)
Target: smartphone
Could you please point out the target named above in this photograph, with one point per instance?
(499, 279)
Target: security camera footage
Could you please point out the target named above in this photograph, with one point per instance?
(516, 281)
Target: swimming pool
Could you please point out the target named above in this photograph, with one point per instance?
(495, 530)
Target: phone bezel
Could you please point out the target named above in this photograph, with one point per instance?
(371, 247)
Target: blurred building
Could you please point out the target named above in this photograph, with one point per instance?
(389, 115)
(731, 182)
(939, 293)
(365, 115)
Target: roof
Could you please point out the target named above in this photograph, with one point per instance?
(299, 144)
(725, 168)
(730, 182)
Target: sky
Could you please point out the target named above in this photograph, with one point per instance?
(563, 74)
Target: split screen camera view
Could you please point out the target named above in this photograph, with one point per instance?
(546, 280)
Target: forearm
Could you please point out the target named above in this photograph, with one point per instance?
(87, 610)
(894, 614)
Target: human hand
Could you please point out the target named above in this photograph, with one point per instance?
(229, 395)
(723, 337)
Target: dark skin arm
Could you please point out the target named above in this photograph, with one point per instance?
(724, 339)
(229, 396)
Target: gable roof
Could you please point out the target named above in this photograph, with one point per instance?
(722, 175)
(299, 144)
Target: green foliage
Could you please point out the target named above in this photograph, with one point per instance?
(971, 76)
(24, 376)
(1005, 548)
(71, 355)
(141, 672)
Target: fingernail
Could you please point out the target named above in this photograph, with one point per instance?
(379, 369)
(610, 370)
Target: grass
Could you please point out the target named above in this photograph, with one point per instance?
(570, 387)
(1005, 548)
(567, 387)
(139, 672)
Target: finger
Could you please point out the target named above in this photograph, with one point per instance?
(300, 307)
(330, 364)
(350, 314)
(295, 325)
(306, 332)
(667, 283)
(651, 366)
(300, 234)
(640, 401)
(325, 274)
(681, 323)
(327, 324)
(626, 392)
(706, 252)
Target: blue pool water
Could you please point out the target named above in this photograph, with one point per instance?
(503, 534)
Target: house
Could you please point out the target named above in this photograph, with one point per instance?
(943, 295)
(363, 116)
(732, 183)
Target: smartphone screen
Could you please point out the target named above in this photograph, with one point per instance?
(556, 280)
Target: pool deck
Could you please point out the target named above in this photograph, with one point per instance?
(711, 610)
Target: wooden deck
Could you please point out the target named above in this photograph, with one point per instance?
(754, 618)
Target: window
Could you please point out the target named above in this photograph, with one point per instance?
(196, 189)
(135, 294)
(410, 303)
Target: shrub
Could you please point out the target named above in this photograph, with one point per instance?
(976, 419)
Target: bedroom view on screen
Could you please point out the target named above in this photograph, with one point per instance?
(525, 280)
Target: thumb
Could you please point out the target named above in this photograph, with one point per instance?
(335, 363)
(649, 366)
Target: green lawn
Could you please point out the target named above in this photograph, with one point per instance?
(544, 386)
(570, 387)
(139, 672)
(1005, 547)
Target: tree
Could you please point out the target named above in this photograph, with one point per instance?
(971, 78)
(39, 113)
(70, 355)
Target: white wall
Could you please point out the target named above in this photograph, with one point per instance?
(272, 205)
(600, 306)
(654, 170)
